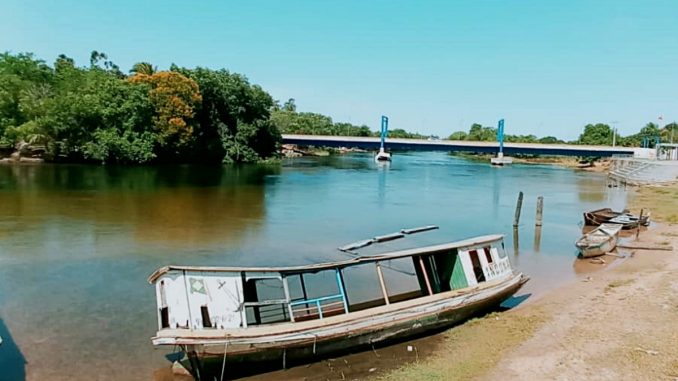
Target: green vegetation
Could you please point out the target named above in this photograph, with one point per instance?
(99, 114)
(660, 201)
(472, 349)
(593, 134)
(289, 121)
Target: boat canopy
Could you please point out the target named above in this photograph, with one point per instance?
(472, 242)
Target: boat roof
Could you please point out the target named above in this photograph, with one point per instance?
(475, 241)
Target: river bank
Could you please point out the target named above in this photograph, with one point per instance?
(614, 324)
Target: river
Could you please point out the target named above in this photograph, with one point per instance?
(77, 242)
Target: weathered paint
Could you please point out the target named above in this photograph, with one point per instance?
(185, 293)
(458, 279)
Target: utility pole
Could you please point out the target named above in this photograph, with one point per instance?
(614, 132)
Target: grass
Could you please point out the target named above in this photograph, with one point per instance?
(662, 202)
(471, 349)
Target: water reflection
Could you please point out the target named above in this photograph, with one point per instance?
(163, 205)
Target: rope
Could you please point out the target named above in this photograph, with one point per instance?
(223, 364)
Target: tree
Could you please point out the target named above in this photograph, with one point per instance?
(143, 68)
(174, 98)
(234, 120)
(458, 135)
(290, 105)
(479, 133)
(596, 134)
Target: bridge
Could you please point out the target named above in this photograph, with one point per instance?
(372, 143)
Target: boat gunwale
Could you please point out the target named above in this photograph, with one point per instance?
(291, 270)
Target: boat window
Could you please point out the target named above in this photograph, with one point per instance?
(400, 277)
(264, 300)
(477, 267)
(164, 309)
(320, 295)
(204, 312)
(362, 287)
(502, 252)
(488, 254)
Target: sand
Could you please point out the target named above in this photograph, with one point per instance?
(617, 323)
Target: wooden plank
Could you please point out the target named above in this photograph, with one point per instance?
(382, 284)
(646, 247)
(423, 269)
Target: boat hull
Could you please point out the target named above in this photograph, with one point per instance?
(596, 251)
(278, 350)
(602, 216)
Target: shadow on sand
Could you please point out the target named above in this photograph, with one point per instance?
(12, 362)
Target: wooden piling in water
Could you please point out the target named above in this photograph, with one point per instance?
(519, 206)
(640, 218)
(540, 210)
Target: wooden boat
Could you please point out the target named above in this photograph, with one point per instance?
(607, 215)
(233, 317)
(599, 241)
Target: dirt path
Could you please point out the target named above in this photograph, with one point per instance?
(619, 324)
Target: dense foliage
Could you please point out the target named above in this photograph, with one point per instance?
(477, 132)
(593, 134)
(98, 113)
(289, 121)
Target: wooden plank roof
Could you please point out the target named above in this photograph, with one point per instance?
(476, 241)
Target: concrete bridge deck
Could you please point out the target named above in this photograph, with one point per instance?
(372, 143)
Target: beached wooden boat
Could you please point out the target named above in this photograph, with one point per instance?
(225, 316)
(599, 241)
(607, 215)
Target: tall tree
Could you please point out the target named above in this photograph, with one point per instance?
(596, 134)
(143, 68)
(174, 98)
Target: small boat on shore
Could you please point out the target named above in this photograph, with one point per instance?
(607, 215)
(247, 317)
(599, 241)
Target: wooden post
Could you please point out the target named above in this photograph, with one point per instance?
(516, 242)
(286, 289)
(383, 284)
(540, 210)
(638, 225)
(519, 205)
(423, 269)
(537, 238)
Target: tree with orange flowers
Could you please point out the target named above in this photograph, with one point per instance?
(174, 98)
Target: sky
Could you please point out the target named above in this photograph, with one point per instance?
(546, 67)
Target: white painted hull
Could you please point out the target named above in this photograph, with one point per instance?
(599, 241)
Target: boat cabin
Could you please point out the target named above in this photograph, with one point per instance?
(221, 298)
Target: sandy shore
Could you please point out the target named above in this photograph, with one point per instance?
(619, 323)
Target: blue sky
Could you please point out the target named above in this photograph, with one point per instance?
(547, 67)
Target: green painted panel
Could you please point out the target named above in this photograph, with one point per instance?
(458, 277)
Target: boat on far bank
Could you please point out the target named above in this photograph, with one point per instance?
(623, 218)
(599, 241)
(243, 319)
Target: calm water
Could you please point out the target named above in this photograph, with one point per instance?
(78, 242)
